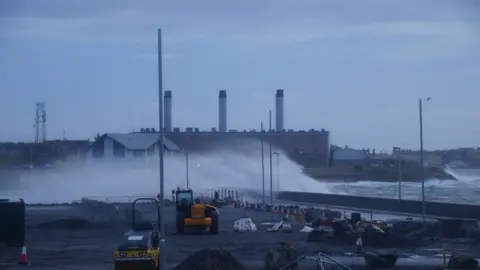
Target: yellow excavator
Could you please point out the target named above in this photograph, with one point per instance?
(194, 216)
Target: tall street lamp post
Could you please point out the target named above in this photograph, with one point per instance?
(422, 175)
(161, 152)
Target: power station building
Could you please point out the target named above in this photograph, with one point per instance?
(308, 148)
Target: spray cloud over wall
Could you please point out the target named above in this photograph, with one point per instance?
(238, 167)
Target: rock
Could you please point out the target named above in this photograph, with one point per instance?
(373, 237)
(341, 227)
(355, 218)
(474, 235)
(280, 257)
(331, 214)
(319, 236)
(381, 259)
(409, 173)
(312, 215)
(208, 259)
(460, 260)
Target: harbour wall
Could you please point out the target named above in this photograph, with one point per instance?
(437, 209)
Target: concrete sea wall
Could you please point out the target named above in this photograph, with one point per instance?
(448, 210)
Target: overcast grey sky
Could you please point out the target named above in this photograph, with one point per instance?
(356, 68)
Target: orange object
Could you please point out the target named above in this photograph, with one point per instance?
(23, 256)
(198, 221)
(197, 210)
(301, 218)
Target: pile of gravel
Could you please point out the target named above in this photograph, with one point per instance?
(281, 256)
(210, 259)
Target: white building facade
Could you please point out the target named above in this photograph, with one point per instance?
(127, 145)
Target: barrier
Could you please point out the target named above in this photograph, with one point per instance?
(218, 194)
(437, 209)
(12, 225)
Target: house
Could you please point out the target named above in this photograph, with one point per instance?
(135, 144)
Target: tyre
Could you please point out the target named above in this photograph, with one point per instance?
(214, 226)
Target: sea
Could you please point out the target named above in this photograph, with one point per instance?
(465, 190)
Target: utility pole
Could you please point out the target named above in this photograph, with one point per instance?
(420, 112)
(271, 162)
(187, 168)
(277, 154)
(263, 166)
(399, 179)
(162, 243)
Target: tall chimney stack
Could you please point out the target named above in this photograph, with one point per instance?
(222, 111)
(167, 111)
(279, 111)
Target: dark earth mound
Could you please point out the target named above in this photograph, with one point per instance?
(210, 259)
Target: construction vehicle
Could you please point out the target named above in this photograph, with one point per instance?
(139, 247)
(194, 216)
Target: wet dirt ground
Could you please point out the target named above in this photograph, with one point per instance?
(89, 245)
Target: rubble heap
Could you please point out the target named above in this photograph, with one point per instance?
(210, 259)
(460, 260)
(277, 258)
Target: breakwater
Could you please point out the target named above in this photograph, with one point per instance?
(448, 210)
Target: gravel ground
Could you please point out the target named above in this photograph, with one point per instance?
(91, 246)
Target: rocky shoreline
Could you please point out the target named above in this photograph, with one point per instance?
(377, 174)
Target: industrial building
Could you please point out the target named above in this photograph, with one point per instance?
(308, 148)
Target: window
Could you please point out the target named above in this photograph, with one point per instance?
(185, 196)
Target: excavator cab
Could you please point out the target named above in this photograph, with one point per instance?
(192, 215)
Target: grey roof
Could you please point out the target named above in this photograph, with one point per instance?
(141, 141)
